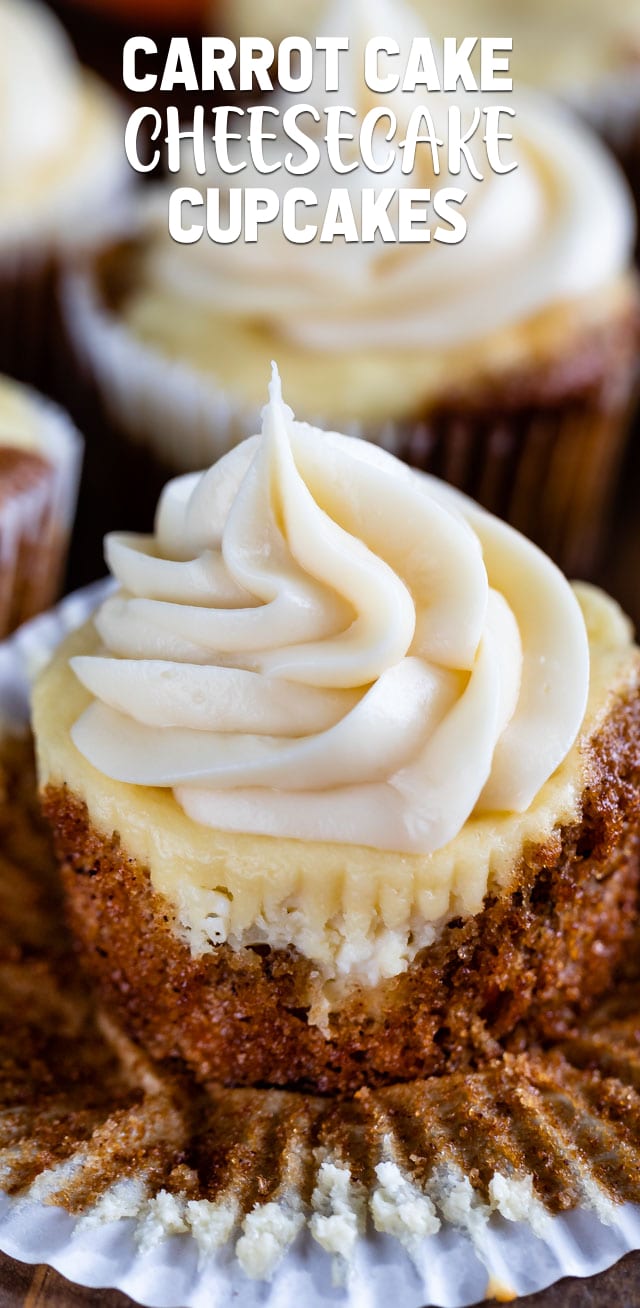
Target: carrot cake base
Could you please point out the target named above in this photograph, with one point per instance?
(524, 968)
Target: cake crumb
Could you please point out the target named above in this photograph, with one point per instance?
(514, 1198)
(339, 1214)
(268, 1231)
(399, 1209)
(164, 1216)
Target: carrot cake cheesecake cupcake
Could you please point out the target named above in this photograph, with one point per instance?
(62, 170)
(40, 458)
(504, 364)
(344, 777)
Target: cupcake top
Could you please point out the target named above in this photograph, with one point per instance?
(61, 146)
(556, 235)
(556, 43)
(319, 644)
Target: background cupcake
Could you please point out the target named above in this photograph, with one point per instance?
(62, 171)
(580, 50)
(505, 364)
(40, 458)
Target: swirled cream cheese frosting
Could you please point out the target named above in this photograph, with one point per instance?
(320, 644)
(330, 705)
(61, 145)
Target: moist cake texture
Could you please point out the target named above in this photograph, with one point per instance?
(526, 967)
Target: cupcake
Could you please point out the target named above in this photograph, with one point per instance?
(62, 171)
(344, 778)
(504, 364)
(582, 51)
(40, 457)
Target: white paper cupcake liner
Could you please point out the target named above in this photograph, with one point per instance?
(449, 1275)
(332, 1240)
(181, 416)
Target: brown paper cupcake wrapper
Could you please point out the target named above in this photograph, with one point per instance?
(37, 507)
(551, 470)
(122, 1173)
(547, 462)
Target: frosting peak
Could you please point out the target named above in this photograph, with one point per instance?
(319, 643)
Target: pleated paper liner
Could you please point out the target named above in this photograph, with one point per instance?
(122, 1173)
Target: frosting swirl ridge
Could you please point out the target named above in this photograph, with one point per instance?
(319, 643)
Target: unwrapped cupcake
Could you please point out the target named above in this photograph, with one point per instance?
(62, 172)
(40, 459)
(344, 777)
(505, 364)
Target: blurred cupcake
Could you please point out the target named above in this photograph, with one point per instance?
(344, 777)
(40, 457)
(505, 364)
(62, 169)
(580, 50)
